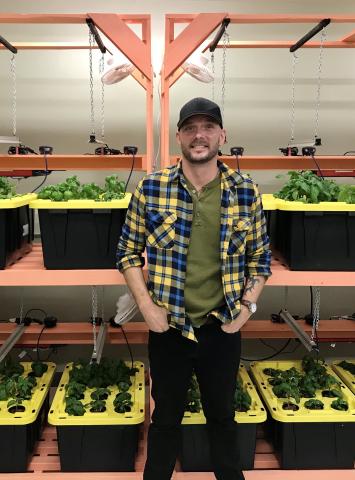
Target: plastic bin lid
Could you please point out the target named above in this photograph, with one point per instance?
(19, 201)
(32, 406)
(256, 414)
(347, 377)
(269, 201)
(58, 416)
(89, 204)
(274, 404)
(314, 207)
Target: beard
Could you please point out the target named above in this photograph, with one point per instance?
(210, 154)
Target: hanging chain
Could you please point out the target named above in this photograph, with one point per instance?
(224, 64)
(94, 315)
(293, 103)
(320, 64)
(92, 109)
(213, 73)
(315, 312)
(101, 71)
(14, 94)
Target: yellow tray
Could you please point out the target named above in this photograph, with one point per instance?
(287, 205)
(19, 201)
(269, 201)
(72, 204)
(274, 403)
(346, 376)
(256, 413)
(58, 417)
(32, 406)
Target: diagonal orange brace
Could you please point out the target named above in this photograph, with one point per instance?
(189, 39)
(125, 40)
(349, 38)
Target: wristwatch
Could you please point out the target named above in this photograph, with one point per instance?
(252, 307)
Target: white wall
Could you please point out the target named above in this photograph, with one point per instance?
(53, 108)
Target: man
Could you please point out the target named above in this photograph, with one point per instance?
(204, 232)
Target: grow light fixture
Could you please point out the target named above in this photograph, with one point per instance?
(126, 309)
(195, 66)
(118, 67)
(307, 342)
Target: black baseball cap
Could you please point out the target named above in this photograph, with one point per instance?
(200, 106)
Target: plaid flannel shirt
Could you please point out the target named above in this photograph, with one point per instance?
(159, 219)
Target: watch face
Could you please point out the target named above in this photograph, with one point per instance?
(252, 307)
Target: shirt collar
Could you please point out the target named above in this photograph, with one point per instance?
(229, 177)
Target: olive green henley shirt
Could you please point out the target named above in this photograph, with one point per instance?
(203, 286)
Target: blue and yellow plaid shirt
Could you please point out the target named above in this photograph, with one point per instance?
(159, 220)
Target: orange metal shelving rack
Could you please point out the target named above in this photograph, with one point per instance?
(30, 271)
(138, 50)
(199, 28)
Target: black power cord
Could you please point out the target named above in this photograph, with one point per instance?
(115, 325)
(130, 150)
(269, 356)
(46, 172)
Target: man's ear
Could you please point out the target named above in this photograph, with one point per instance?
(222, 137)
(177, 135)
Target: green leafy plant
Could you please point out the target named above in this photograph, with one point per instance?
(123, 402)
(39, 368)
(314, 404)
(7, 189)
(293, 384)
(346, 194)
(242, 399)
(109, 372)
(72, 189)
(193, 402)
(75, 390)
(114, 188)
(15, 405)
(100, 394)
(340, 404)
(96, 406)
(9, 367)
(307, 187)
(74, 407)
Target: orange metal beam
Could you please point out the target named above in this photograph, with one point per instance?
(125, 40)
(65, 18)
(277, 162)
(288, 44)
(75, 333)
(349, 38)
(275, 18)
(70, 162)
(281, 18)
(50, 46)
(189, 39)
(43, 18)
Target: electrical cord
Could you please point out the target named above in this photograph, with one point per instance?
(130, 173)
(38, 339)
(269, 356)
(128, 345)
(45, 173)
(318, 167)
(35, 310)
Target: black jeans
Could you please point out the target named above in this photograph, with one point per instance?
(215, 359)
